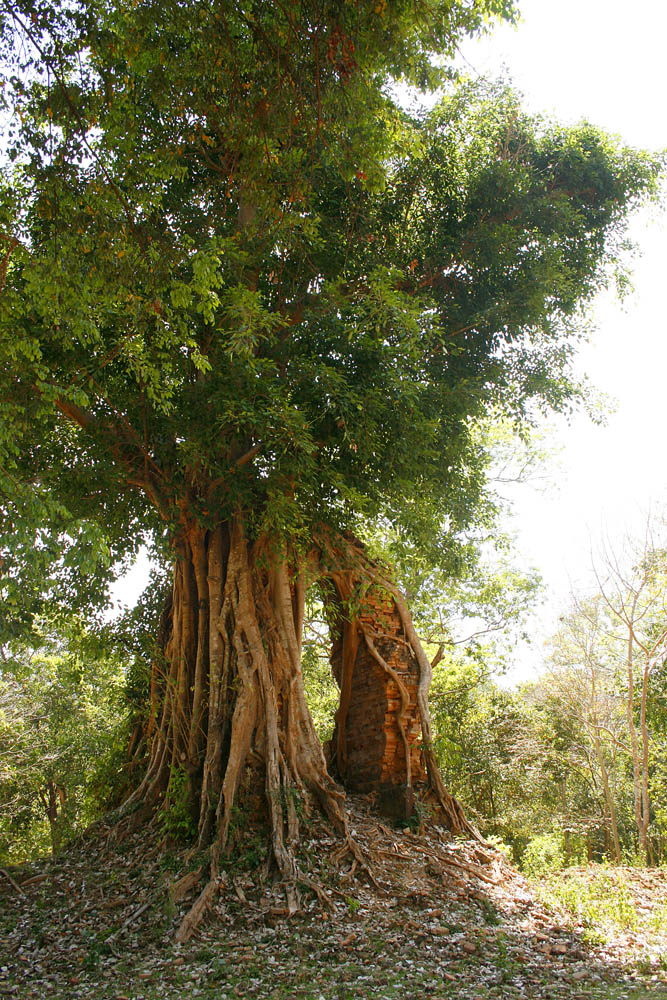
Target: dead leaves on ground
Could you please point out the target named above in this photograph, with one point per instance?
(443, 919)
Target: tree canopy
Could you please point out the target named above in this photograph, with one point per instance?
(238, 275)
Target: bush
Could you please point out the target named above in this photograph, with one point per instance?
(501, 846)
(543, 854)
(177, 816)
(598, 899)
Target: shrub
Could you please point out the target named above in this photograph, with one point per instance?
(177, 816)
(543, 854)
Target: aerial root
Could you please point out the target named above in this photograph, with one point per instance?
(193, 918)
(178, 890)
(315, 888)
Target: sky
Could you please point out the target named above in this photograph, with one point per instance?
(602, 61)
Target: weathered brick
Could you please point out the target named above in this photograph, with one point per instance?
(375, 749)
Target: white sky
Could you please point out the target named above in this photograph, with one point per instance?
(603, 61)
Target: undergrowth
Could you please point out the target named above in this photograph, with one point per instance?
(599, 901)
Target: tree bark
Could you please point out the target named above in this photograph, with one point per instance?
(642, 827)
(227, 695)
(229, 734)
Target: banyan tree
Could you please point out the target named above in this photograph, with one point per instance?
(251, 311)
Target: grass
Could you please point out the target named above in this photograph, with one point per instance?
(331, 986)
(657, 921)
(600, 902)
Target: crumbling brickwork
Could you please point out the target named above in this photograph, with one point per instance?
(374, 745)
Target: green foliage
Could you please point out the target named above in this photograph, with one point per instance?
(552, 762)
(63, 739)
(322, 691)
(227, 240)
(252, 852)
(475, 726)
(176, 816)
(248, 844)
(597, 899)
(543, 854)
(499, 845)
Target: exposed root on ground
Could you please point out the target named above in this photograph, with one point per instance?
(350, 846)
(444, 930)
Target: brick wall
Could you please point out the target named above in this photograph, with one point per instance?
(375, 748)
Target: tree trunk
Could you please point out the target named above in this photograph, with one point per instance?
(229, 727)
(645, 817)
(55, 794)
(612, 828)
(634, 745)
(227, 696)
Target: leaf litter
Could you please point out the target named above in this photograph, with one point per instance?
(424, 916)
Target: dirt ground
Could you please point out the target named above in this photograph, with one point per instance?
(432, 917)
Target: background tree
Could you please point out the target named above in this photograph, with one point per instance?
(63, 739)
(560, 751)
(633, 589)
(657, 701)
(476, 725)
(250, 305)
(567, 800)
(582, 680)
